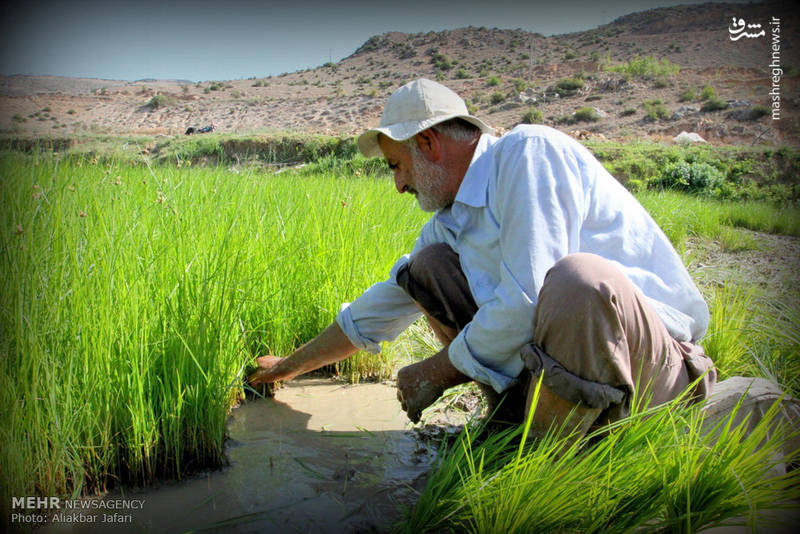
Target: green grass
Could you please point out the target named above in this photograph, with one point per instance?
(133, 298)
(681, 216)
(658, 470)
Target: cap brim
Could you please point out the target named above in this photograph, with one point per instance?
(367, 142)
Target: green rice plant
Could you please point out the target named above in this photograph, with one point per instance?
(660, 468)
(727, 340)
(775, 343)
(133, 298)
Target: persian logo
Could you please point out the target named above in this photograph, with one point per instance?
(737, 30)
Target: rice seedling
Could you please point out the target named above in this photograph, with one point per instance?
(133, 298)
(660, 469)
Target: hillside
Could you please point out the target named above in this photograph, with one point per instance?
(502, 74)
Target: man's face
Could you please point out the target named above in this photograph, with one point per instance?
(414, 174)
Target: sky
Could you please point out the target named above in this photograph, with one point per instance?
(203, 40)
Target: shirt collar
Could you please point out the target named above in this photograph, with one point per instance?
(472, 191)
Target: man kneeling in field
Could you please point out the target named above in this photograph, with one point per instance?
(536, 260)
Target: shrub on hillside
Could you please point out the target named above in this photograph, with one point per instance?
(690, 177)
(655, 109)
(532, 116)
(497, 97)
(688, 95)
(586, 114)
(569, 84)
(708, 92)
(645, 67)
(714, 104)
(160, 101)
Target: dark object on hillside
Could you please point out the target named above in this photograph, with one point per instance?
(205, 129)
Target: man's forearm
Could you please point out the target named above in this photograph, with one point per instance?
(330, 346)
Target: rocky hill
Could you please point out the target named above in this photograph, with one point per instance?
(643, 75)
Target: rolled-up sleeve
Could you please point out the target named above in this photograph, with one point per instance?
(537, 207)
(381, 313)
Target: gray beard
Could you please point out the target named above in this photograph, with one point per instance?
(430, 181)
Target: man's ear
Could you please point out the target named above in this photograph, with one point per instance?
(430, 144)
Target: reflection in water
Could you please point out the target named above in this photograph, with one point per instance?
(319, 457)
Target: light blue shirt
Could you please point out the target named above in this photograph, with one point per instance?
(528, 199)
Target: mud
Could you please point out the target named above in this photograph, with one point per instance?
(318, 457)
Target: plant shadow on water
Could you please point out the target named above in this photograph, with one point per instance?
(320, 456)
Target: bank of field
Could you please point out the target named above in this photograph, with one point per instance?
(133, 298)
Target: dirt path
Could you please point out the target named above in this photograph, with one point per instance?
(771, 270)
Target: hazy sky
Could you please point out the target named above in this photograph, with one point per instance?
(228, 39)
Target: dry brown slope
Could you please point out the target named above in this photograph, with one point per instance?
(342, 98)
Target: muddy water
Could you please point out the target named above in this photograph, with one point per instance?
(319, 457)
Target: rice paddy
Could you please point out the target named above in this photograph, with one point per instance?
(134, 297)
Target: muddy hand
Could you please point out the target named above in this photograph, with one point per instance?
(414, 392)
(268, 371)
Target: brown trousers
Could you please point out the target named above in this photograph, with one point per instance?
(591, 321)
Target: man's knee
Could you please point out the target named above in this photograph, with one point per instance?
(434, 279)
(433, 263)
(580, 273)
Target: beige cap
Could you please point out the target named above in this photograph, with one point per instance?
(414, 107)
